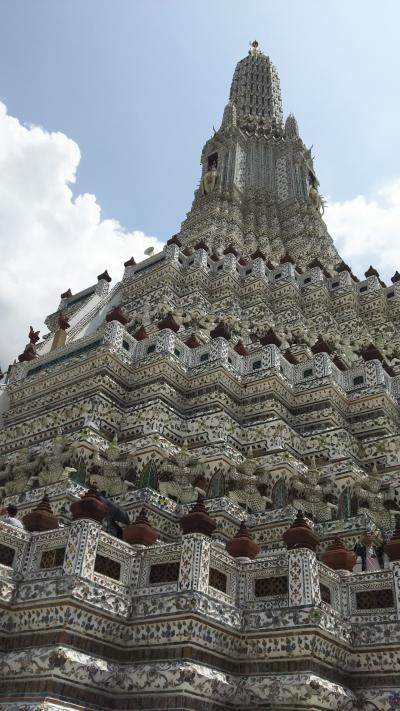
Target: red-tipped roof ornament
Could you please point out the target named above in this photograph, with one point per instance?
(63, 322)
(198, 520)
(258, 254)
(242, 545)
(315, 263)
(41, 518)
(371, 352)
(321, 346)
(105, 275)
(30, 349)
(230, 249)
(371, 271)
(130, 262)
(290, 357)
(117, 314)
(338, 557)
(174, 240)
(220, 331)
(34, 336)
(90, 505)
(141, 334)
(192, 342)
(241, 349)
(202, 245)
(140, 532)
(270, 339)
(168, 322)
(300, 534)
(286, 259)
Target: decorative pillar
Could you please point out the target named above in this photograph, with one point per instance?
(258, 267)
(172, 253)
(113, 335)
(166, 341)
(322, 365)
(316, 275)
(103, 284)
(374, 373)
(229, 263)
(195, 562)
(287, 270)
(200, 258)
(81, 548)
(303, 578)
(219, 349)
(270, 358)
(392, 550)
(302, 541)
(18, 372)
(395, 568)
(129, 268)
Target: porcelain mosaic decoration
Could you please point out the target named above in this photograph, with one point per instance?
(246, 368)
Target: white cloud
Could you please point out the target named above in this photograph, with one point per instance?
(49, 239)
(367, 230)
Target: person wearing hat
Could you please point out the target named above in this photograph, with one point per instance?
(11, 517)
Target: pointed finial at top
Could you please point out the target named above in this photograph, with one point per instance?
(254, 51)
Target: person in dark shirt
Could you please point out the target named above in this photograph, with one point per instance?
(370, 551)
(113, 528)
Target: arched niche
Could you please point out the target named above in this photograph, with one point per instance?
(217, 486)
(149, 477)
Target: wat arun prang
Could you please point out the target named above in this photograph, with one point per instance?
(235, 400)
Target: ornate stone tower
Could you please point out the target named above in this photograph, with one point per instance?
(231, 409)
(257, 176)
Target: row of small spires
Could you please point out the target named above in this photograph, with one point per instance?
(299, 535)
(369, 352)
(258, 254)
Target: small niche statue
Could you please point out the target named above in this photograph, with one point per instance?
(209, 179)
(315, 198)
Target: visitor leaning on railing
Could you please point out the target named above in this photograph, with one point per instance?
(9, 515)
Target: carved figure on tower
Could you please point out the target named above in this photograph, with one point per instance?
(209, 179)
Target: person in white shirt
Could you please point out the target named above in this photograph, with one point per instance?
(11, 517)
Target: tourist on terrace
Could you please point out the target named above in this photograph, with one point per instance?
(11, 517)
(370, 551)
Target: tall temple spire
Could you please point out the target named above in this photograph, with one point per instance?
(258, 188)
(255, 88)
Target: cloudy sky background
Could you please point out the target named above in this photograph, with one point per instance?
(105, 107)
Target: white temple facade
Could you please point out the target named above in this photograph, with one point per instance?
(246, 368)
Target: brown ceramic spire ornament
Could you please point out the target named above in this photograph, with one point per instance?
(168, 322)
(41, 518)
(198, 520)
(117, 314)
(30, 349)
(242, 544)
(90, 505)
(140, 532)
(300, 534)
(338, 557)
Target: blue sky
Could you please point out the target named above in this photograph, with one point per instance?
(138, 85)
(132, 90)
